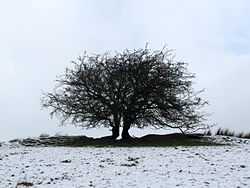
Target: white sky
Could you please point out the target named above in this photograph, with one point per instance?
(39, 38)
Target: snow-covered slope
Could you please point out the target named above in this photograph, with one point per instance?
(220, 166)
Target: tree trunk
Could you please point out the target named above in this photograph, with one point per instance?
(115, 132)
(116, 127)
(125, 133)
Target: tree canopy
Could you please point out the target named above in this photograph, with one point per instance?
(139, 88)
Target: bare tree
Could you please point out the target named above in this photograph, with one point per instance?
(138, 88)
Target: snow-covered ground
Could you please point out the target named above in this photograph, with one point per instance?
(221, 166)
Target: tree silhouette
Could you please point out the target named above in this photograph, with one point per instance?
(137, 88)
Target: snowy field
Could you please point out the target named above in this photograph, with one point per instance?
(221, 166)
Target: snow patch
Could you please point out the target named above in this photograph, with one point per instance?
(52, 167)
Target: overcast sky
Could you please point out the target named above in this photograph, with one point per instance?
(39, 38)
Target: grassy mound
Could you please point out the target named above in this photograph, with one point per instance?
(145, 141)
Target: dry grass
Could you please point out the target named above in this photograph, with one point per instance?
(227, 132)
(145, 141)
